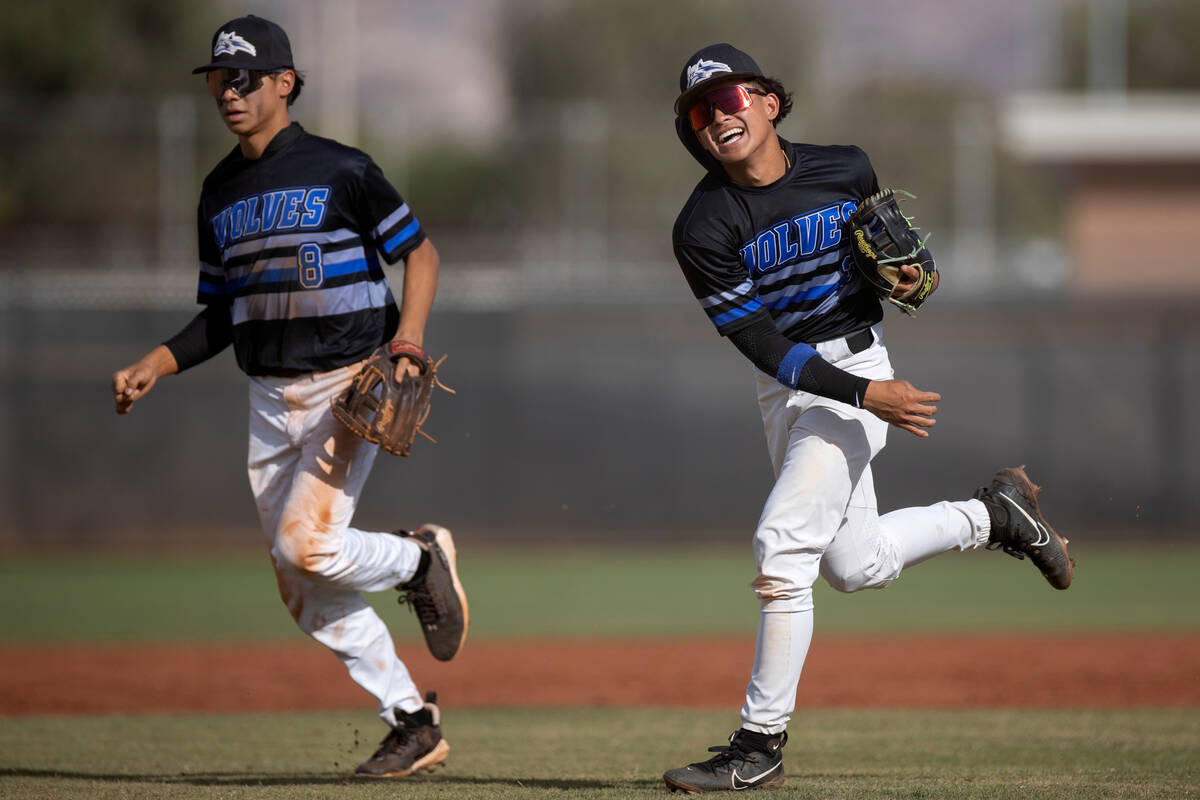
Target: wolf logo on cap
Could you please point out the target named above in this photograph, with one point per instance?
(703, 69)
(231, 43)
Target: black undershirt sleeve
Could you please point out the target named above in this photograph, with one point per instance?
(797, 366)
(209, 332)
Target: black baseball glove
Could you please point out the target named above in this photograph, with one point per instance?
(882, 239)
(383, 410)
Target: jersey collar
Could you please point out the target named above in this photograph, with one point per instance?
(282, 139)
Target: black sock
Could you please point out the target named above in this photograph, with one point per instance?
(422, 566)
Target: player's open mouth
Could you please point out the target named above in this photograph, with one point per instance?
(730, 136)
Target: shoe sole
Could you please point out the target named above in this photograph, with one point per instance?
(443, 539)
(676, 786)
(1018, 480)
(428, 762)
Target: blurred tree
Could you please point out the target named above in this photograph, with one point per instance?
(79, 91)
(907, 129)
(594, 85)
(623, 49)
(62, 46)
(1159, 53)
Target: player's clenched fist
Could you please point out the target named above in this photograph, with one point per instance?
(902, 404)
(132, 382)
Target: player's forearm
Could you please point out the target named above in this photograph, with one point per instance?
(160, 361)
(420, 287)
(798, 366)
(209, 332)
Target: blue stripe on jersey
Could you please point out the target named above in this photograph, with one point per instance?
(391, 219)
(404, 235)
(211, 288)
(743, 291)
(311, 303)
(800, 276)
(280, 241)
(793, 362)
(736, 313)
(288, 274)
(211, 283)
(802, 296)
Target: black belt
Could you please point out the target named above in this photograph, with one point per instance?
(857, 342)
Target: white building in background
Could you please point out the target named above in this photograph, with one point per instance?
(1131, 164)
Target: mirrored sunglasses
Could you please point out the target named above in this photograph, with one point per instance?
(730, 99)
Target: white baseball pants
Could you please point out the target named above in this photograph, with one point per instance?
(306, 473)
(821, 518)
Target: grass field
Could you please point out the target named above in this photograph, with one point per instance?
(596, 592)
(1060, 754)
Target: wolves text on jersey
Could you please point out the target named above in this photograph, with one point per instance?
(791, 240)
(299, 208)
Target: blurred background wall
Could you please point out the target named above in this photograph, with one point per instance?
(1054, 146)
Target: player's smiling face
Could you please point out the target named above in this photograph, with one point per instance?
(737, 137)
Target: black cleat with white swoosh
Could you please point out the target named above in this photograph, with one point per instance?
(751, 761)
(1020, 529)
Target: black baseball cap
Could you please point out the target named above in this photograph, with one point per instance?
(249, 43)
(709, 65)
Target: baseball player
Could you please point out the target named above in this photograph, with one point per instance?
(291, 227)
(760, 244)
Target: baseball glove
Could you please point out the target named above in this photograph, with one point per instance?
(381, 410)
(881, 240)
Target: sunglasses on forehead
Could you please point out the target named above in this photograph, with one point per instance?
(241, 81)
(730, 99)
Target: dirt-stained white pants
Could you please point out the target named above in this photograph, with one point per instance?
(306, 473)
(821, 519)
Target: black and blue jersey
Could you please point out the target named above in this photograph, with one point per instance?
(290, 244)
(751, 253)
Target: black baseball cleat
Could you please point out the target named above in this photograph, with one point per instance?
(415, 743)
(750, 761)
(1020, 529)
(436, 594)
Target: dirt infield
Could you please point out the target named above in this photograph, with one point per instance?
(901, 672)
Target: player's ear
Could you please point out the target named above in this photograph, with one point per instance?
(772, 105)
(284, 82)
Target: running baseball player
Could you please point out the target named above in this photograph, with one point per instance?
(291, 227)
(760, 242)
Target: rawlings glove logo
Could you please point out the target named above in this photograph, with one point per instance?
(230, 43)
(926, 283)
(862, 244)
(703, 69)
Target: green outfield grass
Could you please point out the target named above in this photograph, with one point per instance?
(595, 753)
(602, 592)
(1051, 755)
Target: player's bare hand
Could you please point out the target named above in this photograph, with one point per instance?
(132, 382)
(406, 366)
(900, 403)
(910, 276)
